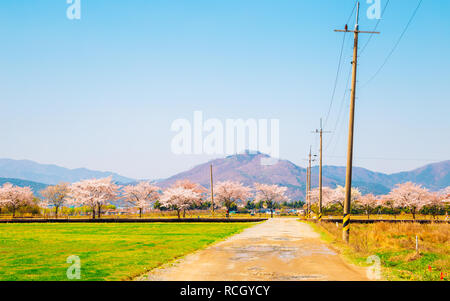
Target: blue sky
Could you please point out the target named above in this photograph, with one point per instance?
(102, 92)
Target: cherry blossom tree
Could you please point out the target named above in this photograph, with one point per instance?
(142, 195)
(270, 195)
(368, 202)
(15, 197)
(435, 203)
(387, 202)
(337, 196)
(229, 193)
(55, 196)
(411, 196)
(179, 198)
(445, 195)
(187, 184)
(94, 193)
(327, 196)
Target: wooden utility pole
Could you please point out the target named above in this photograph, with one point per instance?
(320, 132)
(348, 175)
(212, 189)
(307, 192)
(309, 185)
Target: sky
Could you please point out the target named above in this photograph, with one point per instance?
(102, 91)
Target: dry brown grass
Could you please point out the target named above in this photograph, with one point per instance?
(395, 244)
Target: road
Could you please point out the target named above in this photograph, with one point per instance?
(278, 249)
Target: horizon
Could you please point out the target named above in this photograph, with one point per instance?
(156, 179)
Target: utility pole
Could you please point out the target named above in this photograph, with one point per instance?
(309, 185)
(348, 175)
(307, 192)
(320, 132)
(212, 189)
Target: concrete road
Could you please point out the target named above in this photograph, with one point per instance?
(278, 249)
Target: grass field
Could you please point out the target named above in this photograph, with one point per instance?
(395, 245)
(107, 251)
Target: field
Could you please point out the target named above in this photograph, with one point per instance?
(395, 244)
(107, 251)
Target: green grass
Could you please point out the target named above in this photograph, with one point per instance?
(107, 251)
(395, 245)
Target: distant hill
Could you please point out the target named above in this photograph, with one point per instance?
(434, 176)
(51, 174)
(247, 169)
(36, 187)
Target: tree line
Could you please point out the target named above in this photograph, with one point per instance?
(185, 195)
(409, 197)
(182, 196)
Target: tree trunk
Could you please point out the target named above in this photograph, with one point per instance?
(228, 212)
(14, 212)
(271, 213)
(413, 211)
(178, 213)
(184, 213)
(93, 212)
(99, 210)
(140, 212)
(56, 211)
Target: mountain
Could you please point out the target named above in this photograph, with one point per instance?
(247, 169)
(51, 174)
(434, 176)
(36, 187)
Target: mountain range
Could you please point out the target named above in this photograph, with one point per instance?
(246, 168)
(51, 174)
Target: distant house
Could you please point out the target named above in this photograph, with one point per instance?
(110, 212)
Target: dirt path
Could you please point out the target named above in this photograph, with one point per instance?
(278, 249)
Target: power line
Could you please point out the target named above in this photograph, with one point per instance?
(353, 10)
(340, 111)
(335, 80)
(338, 68)
(396, 44)
(385, 158)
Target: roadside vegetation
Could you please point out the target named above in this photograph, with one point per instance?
(107, 251)
(395, 245)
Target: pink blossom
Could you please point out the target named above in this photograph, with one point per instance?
(411, 196)
(179, 198)
(15, 197)
(94, 193)
(229, 193)
(142, 195)
(270, 195)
